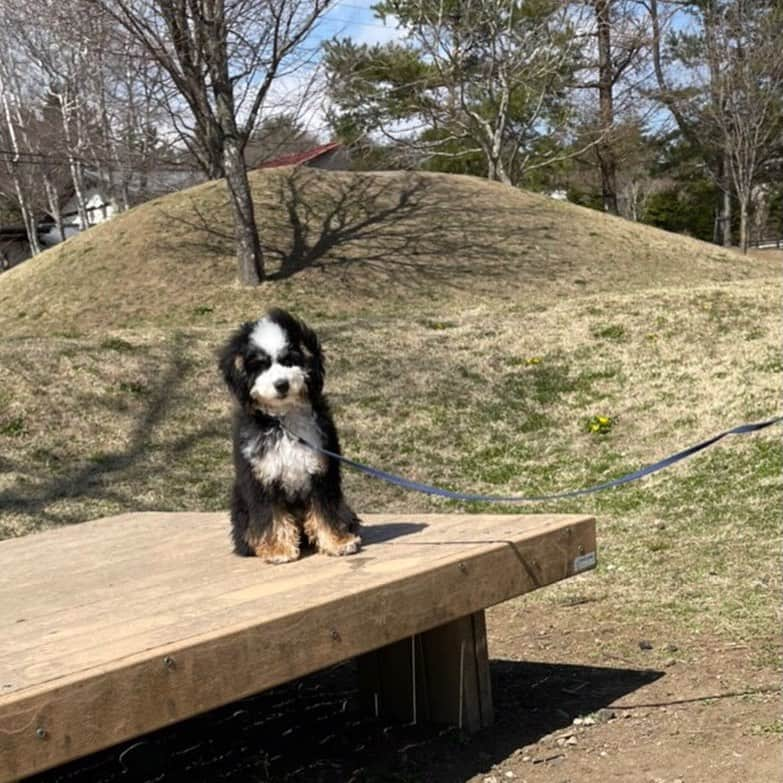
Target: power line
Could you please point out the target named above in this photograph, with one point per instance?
(42, 159)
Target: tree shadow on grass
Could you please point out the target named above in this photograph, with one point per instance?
(96, 478)
(407, 229)
(401, 228)
(313, 729)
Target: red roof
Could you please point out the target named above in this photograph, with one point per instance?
(297, 158)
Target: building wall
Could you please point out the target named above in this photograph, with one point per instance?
(98, 209)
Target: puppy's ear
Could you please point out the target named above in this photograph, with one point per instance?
(315, 360)
(231, 362)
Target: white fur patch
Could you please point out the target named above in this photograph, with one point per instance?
(288, 462)
(269, 337)
(264, 392)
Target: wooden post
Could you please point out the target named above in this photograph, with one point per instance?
(441, 675)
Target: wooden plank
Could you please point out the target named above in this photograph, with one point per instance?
(225, 627)
(386, 681)
(440, 675)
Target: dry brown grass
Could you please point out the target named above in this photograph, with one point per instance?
(342, 244)
(472, 331)
(768, 255)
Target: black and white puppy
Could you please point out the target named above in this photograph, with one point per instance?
(285, 495)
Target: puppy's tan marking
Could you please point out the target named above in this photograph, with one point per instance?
(333, 536)
(280, 542)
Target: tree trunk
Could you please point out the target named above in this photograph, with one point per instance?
(606, 156)
(725, 217)
(53, 199)
(744, 203)
(248, 246)
(75, 167)
(28, 217)
(492, 174)
(496, 171)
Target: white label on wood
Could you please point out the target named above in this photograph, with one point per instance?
(584, 562)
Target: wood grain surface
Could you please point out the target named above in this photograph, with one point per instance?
(115, 627)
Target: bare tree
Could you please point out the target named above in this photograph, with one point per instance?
(129, 93)
(728, 106)
(14, 160)
(747, 113)
(620, 39)
(57, 55)
(222, 57)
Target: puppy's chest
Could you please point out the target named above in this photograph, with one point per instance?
(277, 458)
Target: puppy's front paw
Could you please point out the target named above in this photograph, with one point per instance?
(277, 553)
(339, 546)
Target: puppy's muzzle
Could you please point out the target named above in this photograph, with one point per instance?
(281, 387)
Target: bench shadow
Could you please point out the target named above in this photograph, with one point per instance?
(314, 729)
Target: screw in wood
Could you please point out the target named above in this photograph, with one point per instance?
(463, 568)
(580, 549)
(169, 662)
(40, 732)
(335, 635)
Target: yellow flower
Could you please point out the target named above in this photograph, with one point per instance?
(599, 424)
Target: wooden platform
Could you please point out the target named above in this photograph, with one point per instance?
(115, 627)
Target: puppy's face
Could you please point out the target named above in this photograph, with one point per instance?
(275, 368)
(274, 364)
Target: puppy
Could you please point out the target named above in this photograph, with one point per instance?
(285, 495)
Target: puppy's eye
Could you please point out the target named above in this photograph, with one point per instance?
(256, 364)
(290, 358)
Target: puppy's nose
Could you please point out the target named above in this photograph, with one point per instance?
(281, 387)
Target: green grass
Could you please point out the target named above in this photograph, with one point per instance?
(117, 344)
(12, 427)
(610, 332)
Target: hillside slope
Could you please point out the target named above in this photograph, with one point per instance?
(340, 241)
(473, 335)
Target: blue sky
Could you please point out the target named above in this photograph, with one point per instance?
(355, 18)
(346, 18)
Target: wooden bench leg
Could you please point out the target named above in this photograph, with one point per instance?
(441, 675)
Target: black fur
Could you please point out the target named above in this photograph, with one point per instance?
(257, 433)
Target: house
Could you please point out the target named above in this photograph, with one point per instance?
(98, 207)
(332, 156)
(101, 206)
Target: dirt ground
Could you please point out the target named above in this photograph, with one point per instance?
(575, 700)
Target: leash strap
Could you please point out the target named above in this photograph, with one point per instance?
(416, 486)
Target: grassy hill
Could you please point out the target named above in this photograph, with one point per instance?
(473, 332)
(341, 244)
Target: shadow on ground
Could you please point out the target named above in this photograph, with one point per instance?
(404, 229)
(111, 475)
(313, 730)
